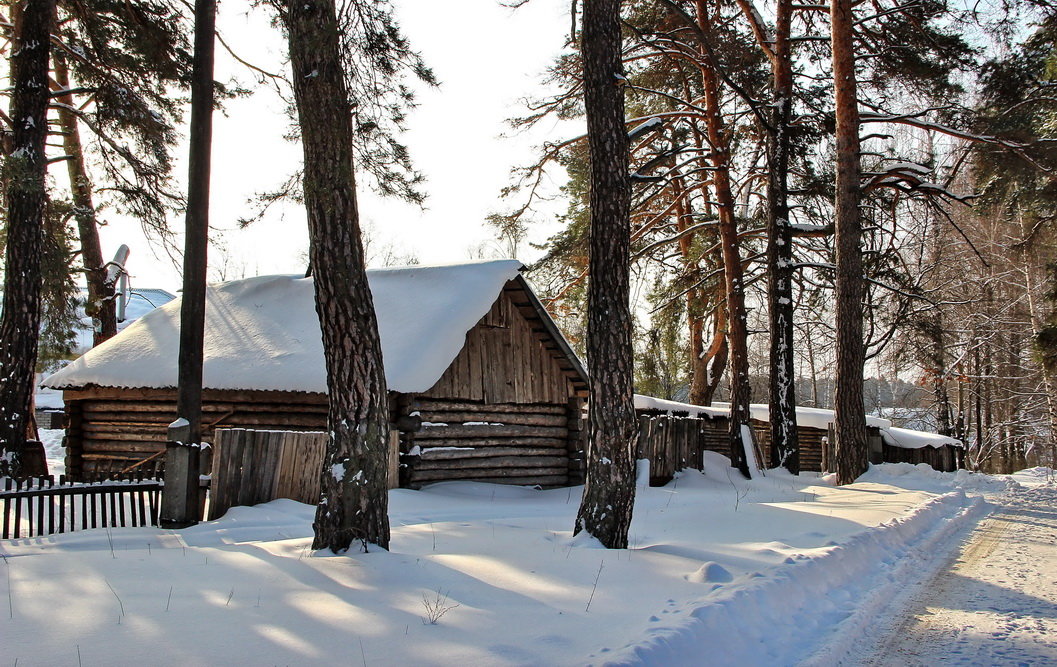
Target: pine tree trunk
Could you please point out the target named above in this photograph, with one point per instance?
(785, 445)
(101, 305)
(26, 199)
(609, 493)
(737, 332)
(196, 239)
(850, 451)
(354, 501)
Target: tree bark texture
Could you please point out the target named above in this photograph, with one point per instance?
(196, 242)
(26, 199)
(354, 501)
(850, 451)
(737, 322)
(180, 504)
(101, 305)
(785, 446)
(609, 493)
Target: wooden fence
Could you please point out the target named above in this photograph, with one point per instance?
(251, 467)
(38, 506)
(673, 442)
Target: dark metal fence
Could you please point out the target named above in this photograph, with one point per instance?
(38, 506)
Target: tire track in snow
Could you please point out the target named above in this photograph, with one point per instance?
(995, 604)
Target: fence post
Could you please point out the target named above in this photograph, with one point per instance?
(179, 500)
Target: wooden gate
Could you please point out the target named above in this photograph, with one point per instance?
(251, 467)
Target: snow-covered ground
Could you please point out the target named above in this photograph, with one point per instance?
(777, 570)
(996, 602)
(53, 450)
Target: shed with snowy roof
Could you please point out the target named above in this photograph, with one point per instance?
(482, 384)
(711, 425)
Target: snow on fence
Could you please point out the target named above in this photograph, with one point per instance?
(38, 506)
(673, 442)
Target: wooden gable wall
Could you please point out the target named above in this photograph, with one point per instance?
(508, 358)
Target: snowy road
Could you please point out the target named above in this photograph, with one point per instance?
(996, 603)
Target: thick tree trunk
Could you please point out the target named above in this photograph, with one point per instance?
(850, 451)
(354, 501)
(26, 199)
(101, 305)
(609, 493)
(785, 446)
(737, 332)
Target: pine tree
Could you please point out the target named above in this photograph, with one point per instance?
(609, 493)
(327, 52)
(850, 451)
(128, 59)
(25, 201)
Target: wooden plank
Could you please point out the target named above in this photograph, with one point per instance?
(429, 454)
(518, 418)
(507, 476)
(472, 350)
(302, 465)
(557, 443)
(247, 463)
(538, 481)
(227, 470)
(425, 403)
(475, 432)
(160, 409)
(269, 455)
(393, 473)
(208, 395)
(492, 463)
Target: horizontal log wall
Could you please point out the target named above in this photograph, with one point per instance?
(116, 428)
(810, 445)
(944, 459)
(507, 443)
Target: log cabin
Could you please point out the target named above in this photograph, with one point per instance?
(482, 384)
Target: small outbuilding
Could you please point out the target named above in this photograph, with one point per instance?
(710, 426)
(482, 384)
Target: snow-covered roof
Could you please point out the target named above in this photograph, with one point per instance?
(905, 438)
(662, 405)
(809, 417)
(813, 417)
(140, 302)
(263, 333)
